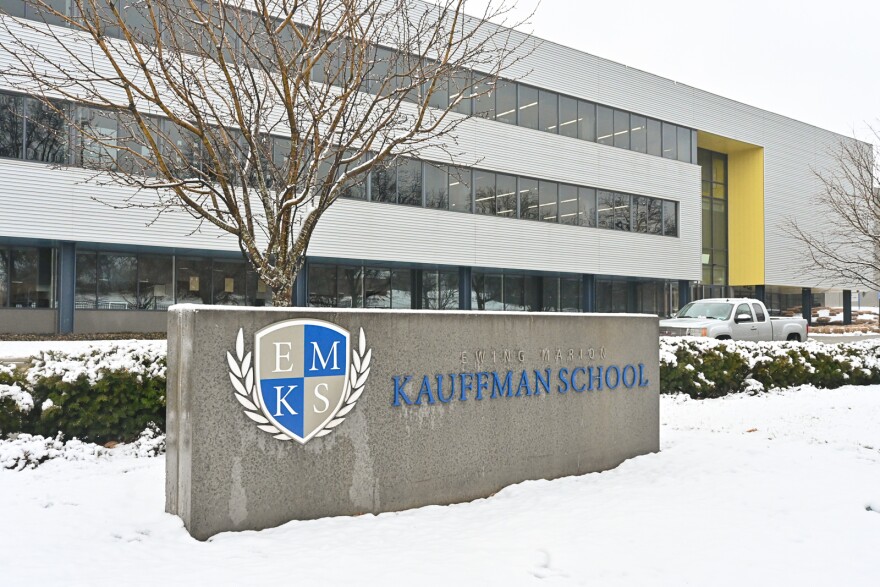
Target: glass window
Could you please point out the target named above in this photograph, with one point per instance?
(97, 135)
(486, 291)
(36, 12)
(586, 121)
(459, 189)
(655, 137)
(704, 160)
(322, 286)
(383, 183)
(670, 141)
(759, 313)
(670, 218)
(484, 97)
(440, 290)
(349, 287)
(568, 116)
(194, 280)
(532, 291)
(436, 186)
(587, 207)
(684, 144)
(514, 296)
(606, 209)
(484, 192)
(401, 288)
(460, 92)
(45, 133)
(622, 212)
(13, 8)
(229, 283)
(719, 225)
(258, 293)
(568, 204)
(10, 126)
(548, 111)
(719, 174)
(604, 125)
(655, 216)
(548, 201)
(570, 294)
(117, 282)
(505, 195)
(621, 129)
(640, 214)
(23, 280)
(377, 288)
(4, 278)
(707, 223)
(550, 295)
(356, 188)
(440, 95)
(528, 199)
(638, 133)
(527, 106)
(409, 182)
(505, 102)
(155, 282)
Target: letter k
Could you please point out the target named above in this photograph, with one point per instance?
(282, 399)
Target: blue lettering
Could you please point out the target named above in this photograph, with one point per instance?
(542, 379)
(632, 379)
(523, 383)
(400, 391)
(563, 373)
(499, 390)
(426, 391)
(466, 385)
(574, 375)
(597, 378)
(642, 381)
(482, 383)
(608, 371)
(440, 396)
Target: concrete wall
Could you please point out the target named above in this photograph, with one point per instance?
(89, 321)
(223, 473)
(27, 321)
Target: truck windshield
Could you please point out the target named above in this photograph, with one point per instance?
(712, 310)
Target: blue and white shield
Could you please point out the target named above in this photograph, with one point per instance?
(302, 369)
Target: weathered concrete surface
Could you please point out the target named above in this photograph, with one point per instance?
(223, 473)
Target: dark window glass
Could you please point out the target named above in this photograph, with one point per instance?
(356, 187)
(440, 290)
(460, 92)
(409, 182)
(4, 278)
(436, 186)
(532, 291)
(670, 218)
(10, 126)
(117, 282)
(670, 141)
(655, 138)
(684, 144)
(401, 288)
(759, 313)
(137, 157)
(568, 116)
(587, 207)
(655, 216)
(719, 225)
(719, 171)
(258, 293)
(13, 8)
(570, 295)
(550, 295)
(45, 133)
(527, 107)
(24, 284)
(638, 133)
(322, 286)
(377, 288)
(514, 296)
(604, 125)
(505, 102)
(349, 287)
(621, 129)
(548, 205)
(486, 291)
(568, 204)
(484, 97)
(47, 14)
(484, 192)
(528, 199)
(440, 94)
(460, 189)
(155, 282)
(548, 111)
(622, 211)
(707, 223)
(505, 195)
(96, 139)
(229, 283)
(181, 148)
(586, 121)
(194, 280)
(383, 183)
(640, 214)
(606, 209)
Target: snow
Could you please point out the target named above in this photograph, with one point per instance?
(781, 488)
(23, 400)
(17, 349)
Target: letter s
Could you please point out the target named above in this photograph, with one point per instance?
(322, 398)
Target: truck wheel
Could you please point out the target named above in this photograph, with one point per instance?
(723, 337)
(794, 337)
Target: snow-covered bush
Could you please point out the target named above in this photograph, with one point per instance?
(703, 368)
(15, 402)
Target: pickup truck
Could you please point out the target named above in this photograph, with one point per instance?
(732, 318)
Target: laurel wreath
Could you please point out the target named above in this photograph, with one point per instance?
(241, 374)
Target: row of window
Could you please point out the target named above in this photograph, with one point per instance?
(460, 189)
(26, 277)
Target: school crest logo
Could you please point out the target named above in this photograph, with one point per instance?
(304, 379)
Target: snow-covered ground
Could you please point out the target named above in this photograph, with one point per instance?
(781, 488)
(28, 348)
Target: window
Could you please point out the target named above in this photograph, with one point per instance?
(622, 212)
(229, 283)
(655, 216)
(638, 133)
(528, 199)
(45, 132)
(97, 135)
(514, 294)
(10, 126)
(505, 102)
(684, 144)
(621, 129)
(194, 280)
(322, 286)
(487, 291)
(550, 295)
(586, 121)
(409, 182)
(604, 125)
(436, 186)
(568, 204)
(505, 195)
(606, 209)
(640, 214)
(459, 189)
(484, 192)
(484, 101)
(4, 278)
(570, 294)
(670, 218)
(587, 207)
(383, 186)
(401, 288)
(655, 138)
(25, 289)
(155, 282)
(349, 287)
(532, 293)
(527, 107)
(568, 117)
(460, 92)
(548, 201)
(759, 313)
(440, 290)
(743, 309)
(377, 288)
(117, 282)
(670, 141)
(548, 111)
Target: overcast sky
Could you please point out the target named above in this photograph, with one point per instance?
(817, 61)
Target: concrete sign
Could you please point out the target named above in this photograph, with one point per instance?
(284, 414)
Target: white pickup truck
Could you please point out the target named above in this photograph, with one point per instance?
(732, 318)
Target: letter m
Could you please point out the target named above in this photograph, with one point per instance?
(318, 356)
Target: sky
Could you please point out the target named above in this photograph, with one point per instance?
(817, 61)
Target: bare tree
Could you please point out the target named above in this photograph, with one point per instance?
(253, 115)
(845, 249)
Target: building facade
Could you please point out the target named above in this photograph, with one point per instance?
(584, 185)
